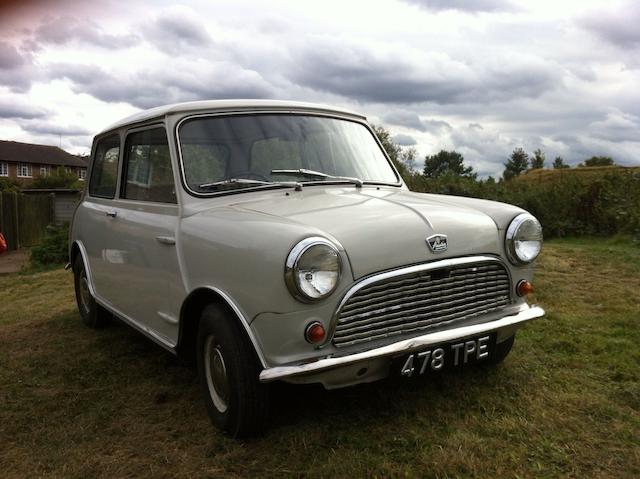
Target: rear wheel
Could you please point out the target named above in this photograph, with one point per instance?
(228, 370)
(92, 314)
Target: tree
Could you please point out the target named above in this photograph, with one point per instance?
(517, 163)
(559, 163)
(408, 158)
(598, 161)
(538, 159)
(391, 148)
(445, 163)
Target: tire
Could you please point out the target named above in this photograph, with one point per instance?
(92, 314)
(501, 351)
(228, 370)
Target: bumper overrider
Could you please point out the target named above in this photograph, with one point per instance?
(524, 314)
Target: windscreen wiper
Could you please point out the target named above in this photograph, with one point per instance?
(247, 181)
(318, 174)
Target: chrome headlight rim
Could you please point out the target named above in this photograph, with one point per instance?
(291, 265)
(512, 230)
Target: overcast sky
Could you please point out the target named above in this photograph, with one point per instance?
(481, 77)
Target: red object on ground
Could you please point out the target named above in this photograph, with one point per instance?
(3, 244)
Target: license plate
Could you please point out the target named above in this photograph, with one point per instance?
(452, 355)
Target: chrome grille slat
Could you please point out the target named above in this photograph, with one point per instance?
(456, 292)
(417, 326)
(419, 316)
(359, 300)
(439, 305)
(421, 300)
(385, 287)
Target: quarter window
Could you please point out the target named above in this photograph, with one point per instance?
(4, 169)
(148, 175)
(104, 172)
(24, 170)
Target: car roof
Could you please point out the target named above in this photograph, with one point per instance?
(229, 106)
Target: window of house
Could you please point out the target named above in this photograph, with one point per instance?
(148, 175)
(82, 174)
(104, 173)
(4, 168)
(45, 170)
(24, 170)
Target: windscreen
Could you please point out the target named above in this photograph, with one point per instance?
(252, 151)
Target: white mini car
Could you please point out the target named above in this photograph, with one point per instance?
(276, 241)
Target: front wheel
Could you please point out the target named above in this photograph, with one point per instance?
(228, 371)
(501, 351)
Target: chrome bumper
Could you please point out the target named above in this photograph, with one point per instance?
(526, 313)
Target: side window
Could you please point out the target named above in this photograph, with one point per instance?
(104, 173)
(147, 174)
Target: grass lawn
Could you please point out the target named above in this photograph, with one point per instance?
(81, 403)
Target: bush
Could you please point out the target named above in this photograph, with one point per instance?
(567, 205)
(54, 248)
(59, 179)
(9, 185)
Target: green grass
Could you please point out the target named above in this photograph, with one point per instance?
(81, 403)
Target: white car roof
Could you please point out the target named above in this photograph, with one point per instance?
(228, 105)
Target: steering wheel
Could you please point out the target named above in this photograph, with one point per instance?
(250, 175)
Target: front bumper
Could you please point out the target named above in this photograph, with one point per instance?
(526, 313)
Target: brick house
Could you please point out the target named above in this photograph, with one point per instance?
(24, 162)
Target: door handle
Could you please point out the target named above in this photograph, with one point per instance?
(170, 240)
(112, 214)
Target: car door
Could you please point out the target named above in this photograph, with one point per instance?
(143, 230)
(93, 219)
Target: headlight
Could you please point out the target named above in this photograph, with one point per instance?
(524, 239)
(312, 269)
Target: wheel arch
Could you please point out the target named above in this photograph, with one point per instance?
(191, 311)
(77, 249)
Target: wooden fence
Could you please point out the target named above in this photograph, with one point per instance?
(24, 218)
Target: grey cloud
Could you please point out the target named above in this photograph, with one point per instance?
(62, 30)
(52, 128)
(579, 148)
(174, 31)
(149, 88)
(619, 27)
(465, 5)
(361, 73)
(410, 119)
(404, 140)
(16, 70)
(10, 58)
(616, 127)
(26, 112)
(404, 118)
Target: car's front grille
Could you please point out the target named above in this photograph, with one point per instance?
(413, 301)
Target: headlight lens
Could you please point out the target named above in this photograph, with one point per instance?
(524, 239)
(312, 270)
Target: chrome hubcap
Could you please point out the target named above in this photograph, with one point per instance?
(216, 372)
(85, 295)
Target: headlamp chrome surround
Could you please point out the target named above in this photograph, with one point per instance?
(511, 238)
(293, 260)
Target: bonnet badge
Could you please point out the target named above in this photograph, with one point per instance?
(437, 243)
